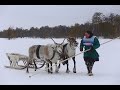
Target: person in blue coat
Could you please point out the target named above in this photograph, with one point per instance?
(89, 41)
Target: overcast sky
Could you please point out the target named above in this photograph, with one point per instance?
(27, 16)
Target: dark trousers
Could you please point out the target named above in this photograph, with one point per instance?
(89, 63)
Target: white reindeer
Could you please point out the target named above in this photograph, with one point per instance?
(69, 50)
(50, 53)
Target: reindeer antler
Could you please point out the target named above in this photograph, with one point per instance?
(53, 40)
(63, 41)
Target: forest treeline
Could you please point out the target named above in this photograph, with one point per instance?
(106, 26)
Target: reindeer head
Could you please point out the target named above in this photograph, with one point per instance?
(59, 46)
(72, 41)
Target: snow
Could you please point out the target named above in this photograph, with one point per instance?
(106, 71)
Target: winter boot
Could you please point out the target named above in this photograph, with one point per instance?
(90, 71)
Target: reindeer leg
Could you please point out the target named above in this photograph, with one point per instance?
(57, 68)
(48, 67)
(74, 69)
(35, 64)
(67, 71)
(27, 71)
(51, 69)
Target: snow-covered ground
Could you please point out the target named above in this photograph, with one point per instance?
(106, 71)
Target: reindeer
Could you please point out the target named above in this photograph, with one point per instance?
(69, 51)
(50, 53)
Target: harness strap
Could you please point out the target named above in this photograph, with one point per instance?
(37, 51)
(65, 51)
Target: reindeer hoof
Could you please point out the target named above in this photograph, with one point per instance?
(27, 72)
(50, 72)
(74, 70)
(56, 72)
(67, 71)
